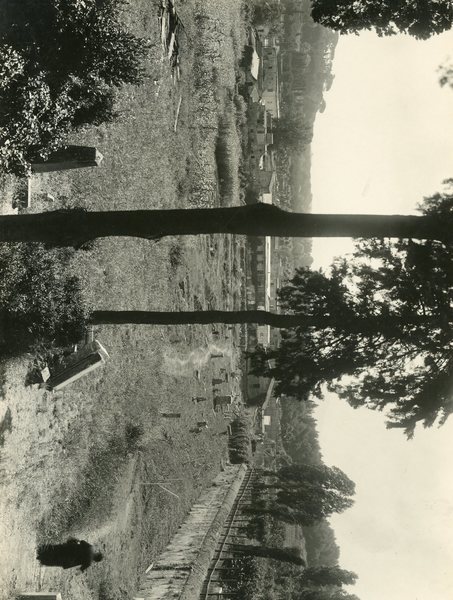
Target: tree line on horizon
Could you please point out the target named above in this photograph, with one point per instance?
(292, 493)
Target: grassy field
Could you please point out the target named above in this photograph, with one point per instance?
(79, 462)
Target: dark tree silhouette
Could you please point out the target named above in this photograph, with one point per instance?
(305, 494)
(315, 491)
(320, 476)
(290, 133)
(419, 18)
(325, 594)
(267, 13)
(77, 227)
(324, 576)
(60, 62)
(289, 555)
(390, 330)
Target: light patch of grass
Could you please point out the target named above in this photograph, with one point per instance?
(228, 156)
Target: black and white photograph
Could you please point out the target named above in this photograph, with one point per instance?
(226, 299)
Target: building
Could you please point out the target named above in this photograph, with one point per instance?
(294, 65)
(271, 419)
(256, 131)
(260, 140)
(270, 92)
(263, 287)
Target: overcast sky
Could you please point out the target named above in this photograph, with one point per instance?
(384, 141)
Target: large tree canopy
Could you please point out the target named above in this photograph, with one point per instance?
(326, 575)
(305, 494)
(419, 18)
(291, 134)
(315, 491)
(60, 61)
(387, 339)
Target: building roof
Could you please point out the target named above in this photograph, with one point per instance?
(255, 66)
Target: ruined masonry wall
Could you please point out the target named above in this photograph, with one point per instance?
(179, 572)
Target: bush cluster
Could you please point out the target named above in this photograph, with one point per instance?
(60, 62)
(40, 301)
(240, 441)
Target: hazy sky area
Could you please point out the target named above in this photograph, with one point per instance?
(384, 141)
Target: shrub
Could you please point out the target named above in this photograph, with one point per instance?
(176, 256)
(40, 302)
(33, 122)
(240, 441)
(59, 65)
(133, 436)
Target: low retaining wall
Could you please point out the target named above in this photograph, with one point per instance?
(181, 569)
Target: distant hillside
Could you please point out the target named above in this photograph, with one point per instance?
(304, 82)
(303, 94)
(298, 430)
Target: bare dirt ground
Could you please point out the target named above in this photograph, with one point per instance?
(69, 464)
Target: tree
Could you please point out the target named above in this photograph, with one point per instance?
(321, 545)
(325, 576)
(60, 64)
(268, 12)
(291, 134)
(390, 330)
(260, 356)
(289, 555)
(325, 594)
(40, 301)
(241, 577)
(314, 491)
(305, 494)
(77, 227)
(302, 475)
(419, 18)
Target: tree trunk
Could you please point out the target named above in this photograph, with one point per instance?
(258, 317)
(137, 317)
(77, 227)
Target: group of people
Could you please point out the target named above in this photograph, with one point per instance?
(72, 553)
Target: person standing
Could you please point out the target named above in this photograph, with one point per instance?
(72, 553)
